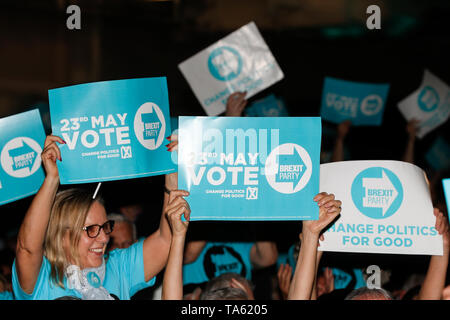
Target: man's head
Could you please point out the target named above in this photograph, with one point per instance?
(124, 233)
(228, 286)
(365, 293)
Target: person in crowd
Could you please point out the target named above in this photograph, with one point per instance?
(411, 129)
(172, 288)
(303, 283)
(63, 238)
(364, 293)
(236, 104)
(433, 286)
(228, 286)
(204, 260)
(124, 233)
(338, 150)
(5, 289)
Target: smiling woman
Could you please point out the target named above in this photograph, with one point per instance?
(63, 238)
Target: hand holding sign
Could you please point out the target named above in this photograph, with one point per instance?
(236, 103)
(442, 228)
(329, 209)
(177, 207)
(50, 154)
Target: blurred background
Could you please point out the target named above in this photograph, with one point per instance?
(121, 39)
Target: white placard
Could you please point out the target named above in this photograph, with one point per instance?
(241, 61)
(430, 104)
(386, 208)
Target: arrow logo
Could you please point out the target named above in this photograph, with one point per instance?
(291, 167)
(152, 125)
(23, 157)
(379, 192)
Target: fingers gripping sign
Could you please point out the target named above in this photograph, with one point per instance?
(50, 154)
(176, 209)
(329, 209)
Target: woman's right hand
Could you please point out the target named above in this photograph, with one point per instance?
(50, 154)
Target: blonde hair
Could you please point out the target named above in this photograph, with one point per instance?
(67, 218)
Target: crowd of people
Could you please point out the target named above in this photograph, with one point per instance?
(69, 247)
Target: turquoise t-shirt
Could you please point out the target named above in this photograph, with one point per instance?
(124, 276)
(6, 295)
(217, 258)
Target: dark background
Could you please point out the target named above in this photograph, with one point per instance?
(310, 40)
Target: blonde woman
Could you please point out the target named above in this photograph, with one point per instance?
(63, 238)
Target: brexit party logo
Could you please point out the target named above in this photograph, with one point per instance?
(377, 192)
(225, 63)
(428, 99)
(149, 126)
(20, 157)
(348, 106)
(371, 105)
(221, 259)
(288, 168)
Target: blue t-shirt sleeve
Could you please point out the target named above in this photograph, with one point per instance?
(125, 268)
(41, 288)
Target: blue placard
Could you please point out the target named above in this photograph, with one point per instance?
(270, 106)
(250, 168)
(446, 185)
(22, 138)
(113, 129)
(362, 103)
(438, 156)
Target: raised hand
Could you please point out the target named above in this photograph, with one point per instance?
(284, 276)
(173, 145)
(177, 207)
(50, 154)
(343, 129)
(442, 227)
(236, 103)
(412, 127)
(329, 209)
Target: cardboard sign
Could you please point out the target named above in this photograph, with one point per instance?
(270, 106)
(22, 138)
(114, 130)
(438, 156)
(430, 104)
(241, 61)
(386, 208)
(362, 103)
(250, 168)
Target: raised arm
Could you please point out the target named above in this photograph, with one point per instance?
(30, 240)
(411, 129)
(263, 254)
(157, 245)
(193, 250)
(338, 150)
(236, 103)
(303, 280)
(172, 288)
(434, 282)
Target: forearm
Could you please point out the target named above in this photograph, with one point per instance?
(434, 281)
(170, 183)
(173, 276)
(302, 282)
(338, 151)
(265, 254)
(314, 288)
(31, 234)
(408, 156)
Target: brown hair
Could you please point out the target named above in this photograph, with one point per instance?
(67, 218)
